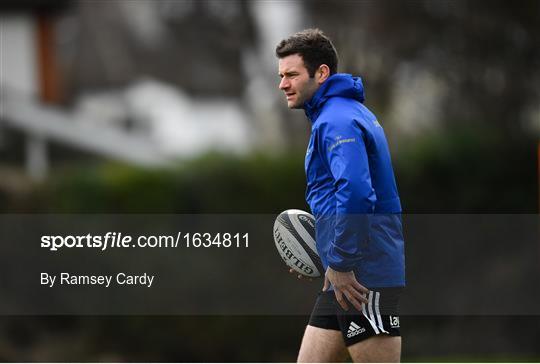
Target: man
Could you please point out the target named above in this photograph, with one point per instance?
(352, 193)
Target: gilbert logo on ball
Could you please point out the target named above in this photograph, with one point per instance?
(294, 235)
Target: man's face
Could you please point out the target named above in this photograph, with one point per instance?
(295, 81)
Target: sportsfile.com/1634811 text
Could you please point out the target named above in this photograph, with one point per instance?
(120, 240)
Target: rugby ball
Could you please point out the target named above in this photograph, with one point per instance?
(294, 235)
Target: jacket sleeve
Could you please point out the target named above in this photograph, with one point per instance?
(343, 148)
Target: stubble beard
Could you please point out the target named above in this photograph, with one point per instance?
(298, 104)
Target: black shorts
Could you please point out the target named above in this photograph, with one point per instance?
(379, 316)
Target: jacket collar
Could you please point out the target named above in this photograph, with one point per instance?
(337, 85)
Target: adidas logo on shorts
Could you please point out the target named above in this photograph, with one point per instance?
(354, 330)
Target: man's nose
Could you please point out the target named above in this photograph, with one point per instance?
(283, 84)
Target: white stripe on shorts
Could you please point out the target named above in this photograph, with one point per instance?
(378, 312)
(371, 318)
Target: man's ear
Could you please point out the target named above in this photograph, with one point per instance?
(322, 73)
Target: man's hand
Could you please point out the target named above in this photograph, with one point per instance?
(345, 284)
(299, 276)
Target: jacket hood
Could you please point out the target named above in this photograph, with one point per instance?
(339, 84)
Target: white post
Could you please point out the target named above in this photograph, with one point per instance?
(37, 163)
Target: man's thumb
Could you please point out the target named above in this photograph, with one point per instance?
(326, 284)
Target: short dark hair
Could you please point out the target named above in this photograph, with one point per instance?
(313, 46)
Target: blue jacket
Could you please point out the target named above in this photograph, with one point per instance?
(351, 188)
